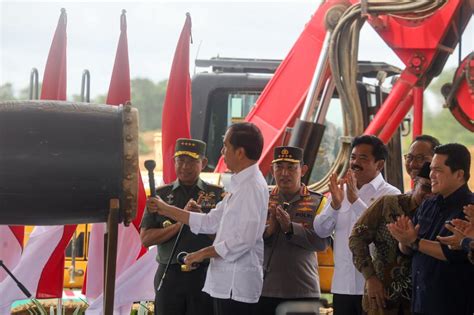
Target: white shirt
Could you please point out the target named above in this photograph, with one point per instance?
(346, 279)
(238, 222)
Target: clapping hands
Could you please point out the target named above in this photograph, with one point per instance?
(403, 230)
(336, 187)
(460, 229)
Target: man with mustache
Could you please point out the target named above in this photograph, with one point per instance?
(289, 236)
(350, 197)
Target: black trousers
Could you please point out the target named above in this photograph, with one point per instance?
(181, 292)
(268, 305)
(345, 304)
(231, 307)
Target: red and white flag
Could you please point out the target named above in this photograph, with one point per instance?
(41, 267)
(135, 284)
(50, 283)
(177, 102)
(33, 269)
(129, 247)
(11, 247)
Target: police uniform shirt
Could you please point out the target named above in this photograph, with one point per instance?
(178, 195)
(293, 268)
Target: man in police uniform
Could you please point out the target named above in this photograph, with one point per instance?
(290, 264)
(180, 292)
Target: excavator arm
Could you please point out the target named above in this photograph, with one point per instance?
(422, 33)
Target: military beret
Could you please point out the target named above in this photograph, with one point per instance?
(191, 147)
(287, 154)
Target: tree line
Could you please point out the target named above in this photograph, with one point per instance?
(148, 98)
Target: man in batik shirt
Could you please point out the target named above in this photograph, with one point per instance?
(387, 272)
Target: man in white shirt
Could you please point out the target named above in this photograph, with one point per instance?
(350, 197)
(235, 276)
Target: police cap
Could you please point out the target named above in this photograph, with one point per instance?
(288, 154)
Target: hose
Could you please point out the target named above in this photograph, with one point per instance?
(343, 53)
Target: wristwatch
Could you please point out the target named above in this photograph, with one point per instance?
(415, 245)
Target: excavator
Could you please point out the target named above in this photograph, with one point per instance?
(321, 78)
(321, 96)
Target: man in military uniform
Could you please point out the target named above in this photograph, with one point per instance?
(290, 264)
(180, 291)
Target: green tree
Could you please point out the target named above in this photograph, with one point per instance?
(100, 99)
(441, 123)
(6, 92)
(446, 128)
(148, 98)
(434, 89)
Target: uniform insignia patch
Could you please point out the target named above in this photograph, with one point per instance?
(304, 209)
(207, 200)
(307, 203)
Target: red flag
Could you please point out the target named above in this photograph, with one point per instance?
(50, 284)
(177, 106)
(54, 88)
(54, 79)
(41, 267)
(129, 244)
(119, 88)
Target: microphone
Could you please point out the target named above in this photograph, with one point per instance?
(150, 166)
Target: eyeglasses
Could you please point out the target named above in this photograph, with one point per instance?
(419, 158)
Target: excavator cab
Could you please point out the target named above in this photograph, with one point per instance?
(223, 95)
(226, 93)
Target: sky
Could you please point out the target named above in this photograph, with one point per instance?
(249, 29)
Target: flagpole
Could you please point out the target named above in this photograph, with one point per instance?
(59, 308)
(112, 230)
